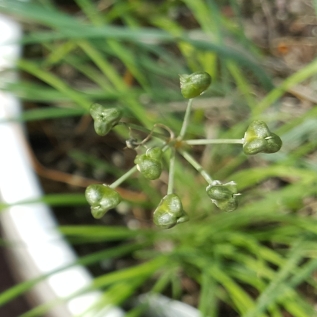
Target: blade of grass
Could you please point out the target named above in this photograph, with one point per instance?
(106, 68)
(95, 162)
(250, 177)
(109, 71)
(48, 113)
(155, 36)
(52, 200)
(58, 52)
(271, 293)
(36, 92)
(130, 275)
(144, 269)
(68, 28)
(91, 11)
(275, 94)
(241, 299)
(208, 16)
(315, 6)
(114, 296)
(119, 50)
(208, 302)
(99, 232)
(55, 82)
(95, 75)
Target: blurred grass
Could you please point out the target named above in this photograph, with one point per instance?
(257, 261)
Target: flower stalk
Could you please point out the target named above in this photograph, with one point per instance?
(197, 166)
(186, 120)
(170, 188)
(213, 141)
(124, 177)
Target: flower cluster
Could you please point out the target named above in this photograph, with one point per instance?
(169, 212)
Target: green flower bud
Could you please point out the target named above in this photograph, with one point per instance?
(104, 118)
(195, 84)
(223, 195)
(258, 138)
(169, 212)
(101, 198)
(149, 164)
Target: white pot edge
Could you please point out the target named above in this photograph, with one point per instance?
(38, 248)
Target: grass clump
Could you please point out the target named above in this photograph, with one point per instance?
(255, 261)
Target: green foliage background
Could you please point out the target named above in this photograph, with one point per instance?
(257, 261)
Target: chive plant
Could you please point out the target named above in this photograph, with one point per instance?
(169, 212)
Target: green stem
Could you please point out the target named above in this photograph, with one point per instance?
(196, 165)
(171, 172)
(121, 179)
(214, 141)
(145, 130)
(186, 119)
